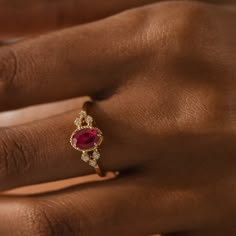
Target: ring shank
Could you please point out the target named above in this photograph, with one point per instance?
(99, 171)
(86, 104)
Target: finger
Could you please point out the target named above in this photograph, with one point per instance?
(130, 205)
(29, 114)
(74, 62)
(40, 151)
(84, 60)
(37, 16)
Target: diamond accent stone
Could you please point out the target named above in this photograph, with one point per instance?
(89, 119)
(85, 157)
(83, 114)
(93, 163)
(96, 155)
(77, 121)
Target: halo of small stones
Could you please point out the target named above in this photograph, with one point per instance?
(86, 121)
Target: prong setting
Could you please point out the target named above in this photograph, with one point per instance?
(81, 137)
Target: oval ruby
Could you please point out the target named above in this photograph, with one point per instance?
(86, 138)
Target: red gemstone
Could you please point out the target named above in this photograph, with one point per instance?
(85, 139)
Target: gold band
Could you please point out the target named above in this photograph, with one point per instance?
(87, 138)
(99, 171)
(86, 105)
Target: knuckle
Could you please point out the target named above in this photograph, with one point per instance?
(8, 67)
(14, 154)
(183, 29)
(35, 220)
(194, 32)
(190, 21)
(189, 55)
(8, 73)
(44, 220)
(181, 40)
(202, 108)
(173, 33)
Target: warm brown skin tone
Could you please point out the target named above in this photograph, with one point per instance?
(164, 77)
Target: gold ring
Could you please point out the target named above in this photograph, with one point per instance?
(87, 139)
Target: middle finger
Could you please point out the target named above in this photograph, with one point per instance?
(69, 63)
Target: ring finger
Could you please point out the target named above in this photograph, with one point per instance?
(40, 151)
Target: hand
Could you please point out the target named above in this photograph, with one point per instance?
(162, 76)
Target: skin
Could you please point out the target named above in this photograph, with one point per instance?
(163, 78)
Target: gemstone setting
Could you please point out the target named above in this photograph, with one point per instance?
(86, 139)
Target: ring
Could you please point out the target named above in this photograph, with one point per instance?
(87, 138)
